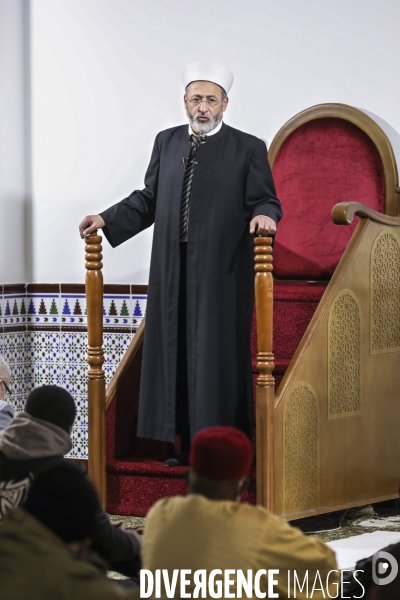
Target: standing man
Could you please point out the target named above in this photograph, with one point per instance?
(208, 188)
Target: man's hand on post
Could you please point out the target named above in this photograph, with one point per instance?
(90, 224)
(262, 225)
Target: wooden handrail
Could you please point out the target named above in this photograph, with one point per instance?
(343, 214)
(95, 358)
(265, 391)
(125, 362)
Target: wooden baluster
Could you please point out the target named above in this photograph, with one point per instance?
(265, 391)
(95, 358)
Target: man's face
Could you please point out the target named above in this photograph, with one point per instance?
(203, 118)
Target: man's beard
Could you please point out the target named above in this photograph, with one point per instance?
(206, 127)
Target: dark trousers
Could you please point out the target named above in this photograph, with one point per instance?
(182, 393)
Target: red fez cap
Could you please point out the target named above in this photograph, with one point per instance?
(221, 453)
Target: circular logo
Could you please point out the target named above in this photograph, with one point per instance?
(384, 568)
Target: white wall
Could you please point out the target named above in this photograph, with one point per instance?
(14, 192)
(106, 79)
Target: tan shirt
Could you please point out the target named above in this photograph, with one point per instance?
(197, 533)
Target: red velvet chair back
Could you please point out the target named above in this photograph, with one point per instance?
(322, 162)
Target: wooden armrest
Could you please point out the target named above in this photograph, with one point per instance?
(343, 214)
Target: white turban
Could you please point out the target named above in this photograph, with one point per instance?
(208, 71)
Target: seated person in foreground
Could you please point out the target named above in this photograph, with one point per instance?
(209, 529)
(44, 545)
(39, 437)
(6, 410)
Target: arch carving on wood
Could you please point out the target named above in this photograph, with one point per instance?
(344, 356)
(385, 293)
(301, 450)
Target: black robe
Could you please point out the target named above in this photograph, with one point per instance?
(232, 184)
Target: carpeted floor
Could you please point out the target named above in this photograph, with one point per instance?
(356, 521)
(330, 527)
(128, 521)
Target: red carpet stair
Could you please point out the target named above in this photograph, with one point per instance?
(136, 477)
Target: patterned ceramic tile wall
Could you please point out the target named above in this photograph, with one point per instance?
(43, 337)
(14, 342)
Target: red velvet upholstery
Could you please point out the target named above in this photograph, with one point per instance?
(294, 305)
(321, 163)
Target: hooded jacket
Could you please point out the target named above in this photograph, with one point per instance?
(28, 446)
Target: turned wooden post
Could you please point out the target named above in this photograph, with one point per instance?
(95, 358)
(265, 391)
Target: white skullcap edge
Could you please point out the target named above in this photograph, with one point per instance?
(208, 71)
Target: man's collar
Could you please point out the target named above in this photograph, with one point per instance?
(213, 132)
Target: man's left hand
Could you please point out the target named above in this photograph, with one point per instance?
(262, 225)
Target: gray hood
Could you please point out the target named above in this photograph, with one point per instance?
(27, 437)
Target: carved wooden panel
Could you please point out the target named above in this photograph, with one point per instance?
(344, 356)
(385, 294)
(301, 450)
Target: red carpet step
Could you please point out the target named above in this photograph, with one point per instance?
(136, 477)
